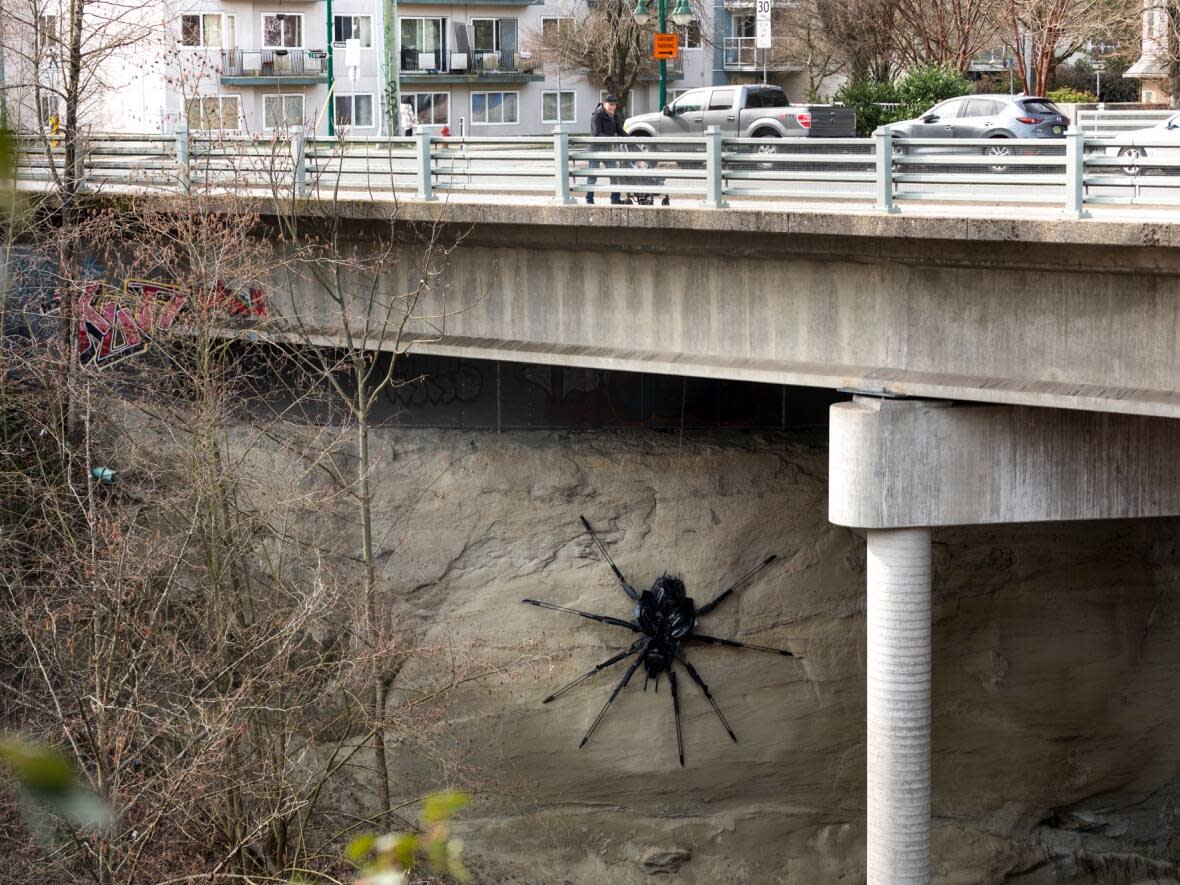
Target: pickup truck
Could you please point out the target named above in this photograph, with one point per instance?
(745, 112)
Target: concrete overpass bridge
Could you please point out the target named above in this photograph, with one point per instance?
(1001, 370)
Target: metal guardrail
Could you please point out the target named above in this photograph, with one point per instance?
(474, 61)
(273, 62)
(1067, 175)
(1105, 122)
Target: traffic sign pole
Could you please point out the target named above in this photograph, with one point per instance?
(762, 36)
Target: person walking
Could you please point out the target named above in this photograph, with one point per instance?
(605, 123)
(407, 119)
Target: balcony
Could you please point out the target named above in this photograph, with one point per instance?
(475, 66)
(271, 67)
(740, 54)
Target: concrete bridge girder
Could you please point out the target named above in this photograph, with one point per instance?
(1039, 316)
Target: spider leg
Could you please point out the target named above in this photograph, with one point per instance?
(622, 684)
(709, 606)
(714, 640)
(604, 619)
(676, 713)
(627, 588)
(696, 677)
(599, 667)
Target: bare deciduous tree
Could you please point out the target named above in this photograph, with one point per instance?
(946, 32)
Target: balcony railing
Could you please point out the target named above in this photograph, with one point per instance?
(475, 61)
(273, 62)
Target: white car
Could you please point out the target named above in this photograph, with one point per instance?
(1159, 142)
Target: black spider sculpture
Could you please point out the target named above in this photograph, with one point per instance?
(665, 619)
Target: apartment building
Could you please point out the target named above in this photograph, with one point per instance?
(253, 67)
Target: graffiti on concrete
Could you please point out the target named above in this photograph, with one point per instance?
(114, 324)
(463, 384)
(111, 329)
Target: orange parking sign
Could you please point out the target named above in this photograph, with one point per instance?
(665, 46)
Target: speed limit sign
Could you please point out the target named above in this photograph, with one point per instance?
(762, 8)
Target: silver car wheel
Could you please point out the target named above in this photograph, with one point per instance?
(1132, 153)
(998, 150)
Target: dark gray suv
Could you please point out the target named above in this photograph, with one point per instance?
(984, 116)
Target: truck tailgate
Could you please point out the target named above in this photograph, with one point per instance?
(830, 121)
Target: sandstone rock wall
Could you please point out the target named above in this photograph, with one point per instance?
(1057, 661)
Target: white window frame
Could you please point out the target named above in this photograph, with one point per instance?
(225, 17)
(352, 97)
(443, 21)
(50, 107)
(471, 107)
(555, 18)
(43, 37)
(432, 92)
(359, 15)
(302, 33)
(495, 31)
(682, 32)
(283, 96)
(573, 118)
(221, 99)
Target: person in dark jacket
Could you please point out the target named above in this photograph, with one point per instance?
(605, 123)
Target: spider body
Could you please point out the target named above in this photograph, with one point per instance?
(665, 619)
(667, 615)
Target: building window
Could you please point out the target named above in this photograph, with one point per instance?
(279, 111)
(48, 31)
(553, 28)
(430, 107)
(495, 108)
(214, 112)
(423, 37)
(282, 30)
(493, 34)
(50, 107)
(353, 27)
(210, 30)
(354, 110)
(690, 35)
(549, 106)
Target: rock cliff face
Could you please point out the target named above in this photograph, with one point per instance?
(1057, 665)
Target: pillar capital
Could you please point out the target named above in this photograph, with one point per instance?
(898, 463)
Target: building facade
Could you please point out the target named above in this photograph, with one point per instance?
(1151, 70)
(254, 67)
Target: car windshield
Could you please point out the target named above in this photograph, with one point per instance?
(1040, 106)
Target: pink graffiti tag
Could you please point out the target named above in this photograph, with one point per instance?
(113, 331)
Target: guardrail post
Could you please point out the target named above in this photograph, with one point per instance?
(425, 179)
(883, 152)
(1075, 173)
(182, 156)
(299, 156)
(714, 180)
(561, 165)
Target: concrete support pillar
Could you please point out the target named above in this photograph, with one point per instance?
(899, 664)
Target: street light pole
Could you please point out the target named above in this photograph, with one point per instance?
(681, 15)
